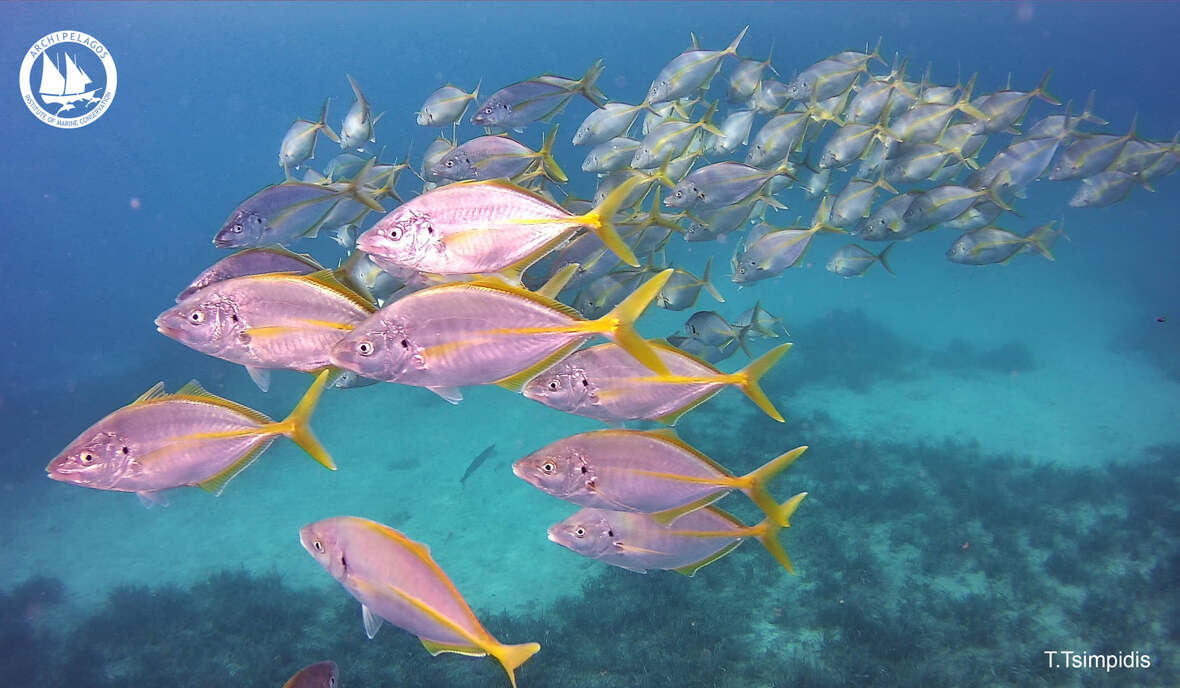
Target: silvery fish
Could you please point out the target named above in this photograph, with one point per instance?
(886, 223)
(1091, 154)
(849, 143)
(607, 122)
(722, 184)
(944, 203)
(360, 274)
(684, 288)
(603, 293)
(638, 542)
(357, 128)
(1019, 164)
(445, 106)
(1105, 188)
(689, 71)
(989, 245)
(768, 251)
(735, 132)
(611, 155)
(710, 353)
(514, 106)
(350, 380)
(855, 200)
(299, 142)
(852, 260)
(715, 224)
(605, 383)
(161, 441)
(1138, 156)
(1004, 108)
(978, 215)
(746, 78)
(484, 228)
(283, 213)
(263, 322)
(671, 139)
(1063, 126)
(318, 675)
(396, 580)
(823, 80)
(772, 96)
(252, 261)
(924, 122)
(432, 156)
(493, 157)
(486, 332)
(641, 471)
(777, 138)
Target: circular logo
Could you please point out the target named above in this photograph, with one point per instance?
(68, 79)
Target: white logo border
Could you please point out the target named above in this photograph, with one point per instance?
(90, 43)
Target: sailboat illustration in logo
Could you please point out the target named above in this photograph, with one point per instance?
(65, 90)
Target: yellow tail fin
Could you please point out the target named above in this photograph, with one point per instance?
(771, 528)
(619, 324)
(601, 220)
(512, 656)
(296, 426)
(754, 484)
(754, 372)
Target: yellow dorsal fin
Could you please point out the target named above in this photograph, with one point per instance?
(502, 286)
(194, 390)
(156, 391)
(329, 280)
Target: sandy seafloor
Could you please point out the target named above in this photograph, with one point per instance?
(1071, 364)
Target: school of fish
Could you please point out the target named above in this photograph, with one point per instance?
(493, 273)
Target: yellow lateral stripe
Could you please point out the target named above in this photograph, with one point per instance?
(721, 481)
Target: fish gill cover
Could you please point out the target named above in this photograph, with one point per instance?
(923, 560)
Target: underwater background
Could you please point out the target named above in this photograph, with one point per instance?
(994, 451)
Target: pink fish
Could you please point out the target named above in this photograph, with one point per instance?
(642, 471)
(192, 437)
(639, 542)
(484, 228)
(485, 332)
(603, 382)
(278, 320)
(396, 580)
(318, 675)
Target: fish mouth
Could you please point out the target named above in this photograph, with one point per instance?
(553, 537)
(518, 470)
(170, 332)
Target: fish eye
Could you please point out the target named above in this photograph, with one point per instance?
(126, 450)
(553, 385)
(395, 233)
(580, 532)
(86, 458)
(679, 194)
(236, 229)
(548, 467)
(197, 317)
(319, 546)
(487, 111)
(365, 348)
(450, 163)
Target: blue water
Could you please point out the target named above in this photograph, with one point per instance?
(1067, 366)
